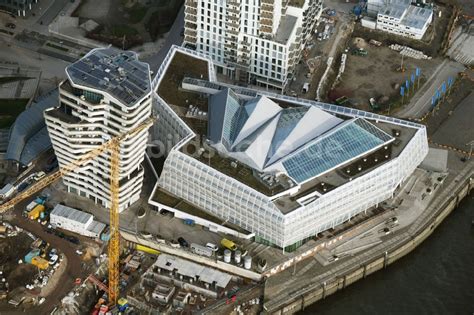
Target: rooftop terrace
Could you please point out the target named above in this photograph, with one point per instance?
(170, 89)
(285, 28)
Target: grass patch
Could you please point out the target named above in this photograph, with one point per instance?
(10, 109)
(57, 47)
(180, 67)
(120, 30)
(136, 13)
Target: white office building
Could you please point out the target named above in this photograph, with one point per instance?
(281, 168)
(256, 41)
(75, 221)
(106, 94)
(400, 17)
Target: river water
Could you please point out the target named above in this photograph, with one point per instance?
(435, 278)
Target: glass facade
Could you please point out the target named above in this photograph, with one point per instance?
(235, 202)
(234, 118)
(347, 142)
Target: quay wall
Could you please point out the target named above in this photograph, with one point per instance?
(420, 230)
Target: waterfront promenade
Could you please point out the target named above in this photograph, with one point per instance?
(295, 288)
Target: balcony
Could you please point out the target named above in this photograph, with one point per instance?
(266, 8)
(265, 29)
(190, 40)
(232, 31)
(191, 3)
(244, 49)
(189, 25)
(266, 15)
(235, 3)
(233, 10)
(232, 24)
(190, 10)
(190, 33)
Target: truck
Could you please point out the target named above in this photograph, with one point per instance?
(201, 250)
(373, 104)
(39, 262)
(7, 191)
(228, 244)
(31, 205)
(35, 213)
(375, 42)
(40, 200)
(359, 52)
(305, 87)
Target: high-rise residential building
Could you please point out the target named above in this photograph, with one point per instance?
(106, 93)
(252, 41)
(281, 168)
(18, 7)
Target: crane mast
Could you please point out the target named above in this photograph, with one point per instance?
(113, 146)
(114, 242)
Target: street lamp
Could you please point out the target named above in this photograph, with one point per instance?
(470, 144)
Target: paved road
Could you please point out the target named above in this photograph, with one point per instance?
(174, 38)
(421, 103)
(52, 12)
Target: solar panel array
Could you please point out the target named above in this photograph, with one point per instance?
(110, 70)
(346, 142)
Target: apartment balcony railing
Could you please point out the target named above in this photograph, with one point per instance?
(191, 3)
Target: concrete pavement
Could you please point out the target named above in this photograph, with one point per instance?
(421, 102)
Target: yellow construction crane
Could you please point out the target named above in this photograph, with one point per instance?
(112, 145)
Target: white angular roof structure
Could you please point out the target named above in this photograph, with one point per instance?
(260, 132)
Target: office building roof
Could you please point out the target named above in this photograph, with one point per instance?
(192, 270)
(260, 133)
(285, 28)
(416, 17)
(71, 214)
(116, 72)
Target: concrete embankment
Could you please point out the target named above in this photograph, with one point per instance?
(447, 200)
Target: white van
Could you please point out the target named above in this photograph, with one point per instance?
(306, 87)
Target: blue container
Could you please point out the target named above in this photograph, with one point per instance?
(105, 236)
(189, 221)
(40, 200)
(30, 255)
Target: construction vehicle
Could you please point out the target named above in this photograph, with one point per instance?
(36, 212)
(40, 262)
(359, 52)
(113, 146)
(228, 244)
(342, 101)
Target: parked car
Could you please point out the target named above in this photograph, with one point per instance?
(183, 242)
(212, 246)
(39, 175)
(72, 239)
(10, 25)
(22, 187)
(174, 244)
(228, 244)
